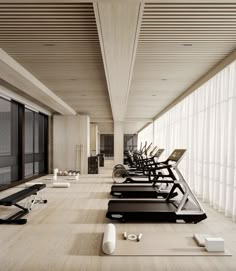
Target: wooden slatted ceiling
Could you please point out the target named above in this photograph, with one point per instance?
(59, 44)
(178, 43)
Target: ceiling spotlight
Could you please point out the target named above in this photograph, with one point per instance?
(164, 79)
(187, 44)
(49, 44)
(154, 95)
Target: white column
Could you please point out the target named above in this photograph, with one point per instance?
(118, 142)
(84, 142)
(71, 142)
(94, 138)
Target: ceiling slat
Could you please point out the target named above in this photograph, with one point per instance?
(59, 44)
(178, 43)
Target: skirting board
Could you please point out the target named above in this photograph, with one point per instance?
(162, 244)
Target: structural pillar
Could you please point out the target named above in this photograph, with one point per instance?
(84, 143)
(93, 139)
(71, 142)
(118, 142)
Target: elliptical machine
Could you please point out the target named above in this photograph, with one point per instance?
(120, 173)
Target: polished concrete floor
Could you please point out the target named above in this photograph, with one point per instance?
(60, 235)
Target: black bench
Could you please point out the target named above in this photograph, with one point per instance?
(32, 193)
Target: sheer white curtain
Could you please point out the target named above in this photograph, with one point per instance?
(146, 135)
(205, 124)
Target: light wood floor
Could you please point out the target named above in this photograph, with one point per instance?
(58, 235)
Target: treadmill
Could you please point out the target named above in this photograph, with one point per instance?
(155, 188)
(187, 208)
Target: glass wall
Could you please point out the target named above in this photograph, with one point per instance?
(204, 123)
(145, 136)
(35, 145)
(107, 145)
(23, 143)
(130, 142)
(9, 159)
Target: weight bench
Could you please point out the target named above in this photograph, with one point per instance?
(32, 193)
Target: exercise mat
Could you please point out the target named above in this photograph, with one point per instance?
(162, 244)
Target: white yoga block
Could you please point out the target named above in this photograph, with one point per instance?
(109, 239)
(30, 184)
(61, 185)
(214, 244)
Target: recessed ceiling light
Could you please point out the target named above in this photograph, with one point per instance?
(154, 95)
(164, 79)
(49, 44)
(187, 44)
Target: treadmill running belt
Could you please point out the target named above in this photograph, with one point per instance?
(152, 210)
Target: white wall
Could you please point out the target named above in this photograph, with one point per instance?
(71, 143)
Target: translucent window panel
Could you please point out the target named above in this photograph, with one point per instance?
(36, 168)
(42, 166)
(5, 175)
(107, 145)
(36, 133)
(5, 127)
(130, 142)
(29, 131)
(204, 123)
(145, 136)
(29, 169)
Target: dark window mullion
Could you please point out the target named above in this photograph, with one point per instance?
(21, 129)
(33, 142)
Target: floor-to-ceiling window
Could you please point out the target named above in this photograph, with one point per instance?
(145, 137)
(205, 124)
(35, 145)
(130, 142)
(9, 155)
(107, 145)
(23, 142)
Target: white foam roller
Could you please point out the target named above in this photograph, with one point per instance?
(61, 185)
(30, 184)
(200, 238)
(109, 239)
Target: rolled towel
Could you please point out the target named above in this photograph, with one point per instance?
(109, 239)
(54, 177)
(55, 171)
(61, 185)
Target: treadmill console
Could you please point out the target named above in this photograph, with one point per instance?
(177, 155)
(158, 153)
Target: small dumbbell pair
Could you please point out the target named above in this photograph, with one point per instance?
(132, 237)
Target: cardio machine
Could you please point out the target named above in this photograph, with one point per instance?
(123, 175)
(187, 208)
(135, 158)
(162, 175)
